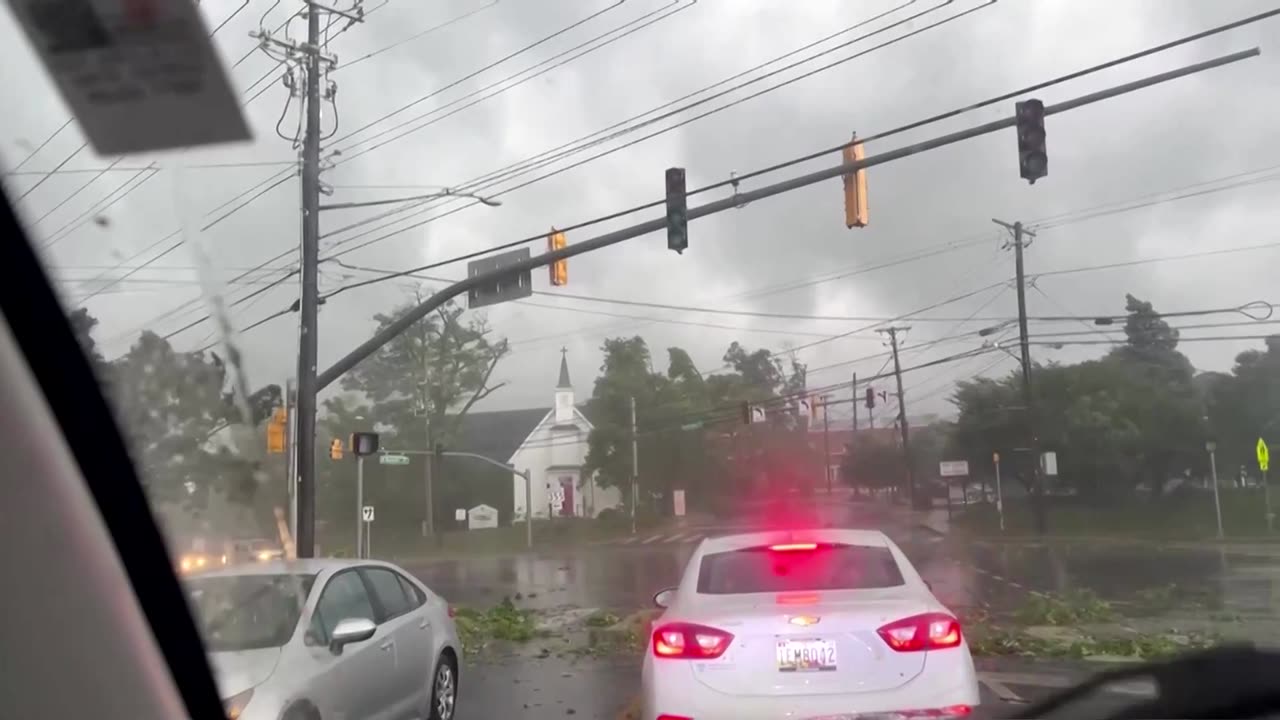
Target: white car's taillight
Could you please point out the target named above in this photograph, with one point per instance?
(690, 641)
(930, 631)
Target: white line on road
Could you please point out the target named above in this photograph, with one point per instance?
(652, 539)
(1001, 690)
(1059, 681)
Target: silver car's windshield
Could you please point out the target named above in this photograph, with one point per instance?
(248, 612)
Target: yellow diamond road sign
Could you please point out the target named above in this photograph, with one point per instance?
(1264, 455)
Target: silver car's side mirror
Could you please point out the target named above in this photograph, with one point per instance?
(349, 631)
(663, 598)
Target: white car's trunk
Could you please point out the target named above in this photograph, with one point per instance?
(808, 643)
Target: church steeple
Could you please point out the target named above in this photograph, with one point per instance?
(564, 391)
(564, 383)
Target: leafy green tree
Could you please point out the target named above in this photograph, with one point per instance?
(441, 362)
(171, 405)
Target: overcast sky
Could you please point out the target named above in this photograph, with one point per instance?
(789, 254)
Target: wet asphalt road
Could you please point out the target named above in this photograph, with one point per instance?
(624, 576)
(604, 690)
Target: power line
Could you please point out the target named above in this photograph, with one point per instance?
(911, 126)
(41, 146)
(624, 30)
(948, 114)
(877, 136)
(418, 35)
(490, 66)
(631, 143)
(1167, 258)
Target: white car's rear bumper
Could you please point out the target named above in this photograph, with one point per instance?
(670, 688)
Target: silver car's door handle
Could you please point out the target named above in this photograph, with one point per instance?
(386, 645)
(424, 623)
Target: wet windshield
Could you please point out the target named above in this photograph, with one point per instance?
(248, 612)
(529, 299)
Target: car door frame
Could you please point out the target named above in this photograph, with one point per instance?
(330, 694)
(404, 630)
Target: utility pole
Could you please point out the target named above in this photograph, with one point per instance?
(309, 306)
(291, 456)
(854, 386)
(313, 55)
(826, 443)
(1028, 398)
(429, 518)
(892, 332)
(635, 468)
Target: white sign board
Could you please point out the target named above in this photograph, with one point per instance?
(953, 468)
(460, 515)
(677, 501)
(482, 517)
(556, 497)
(139, 75)
(1049, 463)
(366, 513)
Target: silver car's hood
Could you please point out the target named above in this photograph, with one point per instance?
(239, 671)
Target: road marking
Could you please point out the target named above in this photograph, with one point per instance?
(652, 539)
(1060, 681)
(1001, 690)
(629, 540)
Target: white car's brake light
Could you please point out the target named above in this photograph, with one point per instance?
(690, 642)
(793, 547)
(930, 631)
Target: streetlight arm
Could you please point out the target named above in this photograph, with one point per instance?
(496, 463)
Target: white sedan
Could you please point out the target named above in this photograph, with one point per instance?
(321, 639)
(804, 624)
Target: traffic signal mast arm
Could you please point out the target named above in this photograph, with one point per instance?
(407, 320)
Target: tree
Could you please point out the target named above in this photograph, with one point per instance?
(440, 363)
(171, 405)
(1130, 418)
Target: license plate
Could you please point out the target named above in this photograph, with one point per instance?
(810, 655)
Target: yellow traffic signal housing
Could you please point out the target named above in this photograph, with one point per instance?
(559, 269)
(855, 187)
(275, 431)
(335, 449)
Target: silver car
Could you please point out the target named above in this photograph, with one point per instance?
(327, 640)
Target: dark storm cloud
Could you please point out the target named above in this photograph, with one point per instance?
(1189, 131)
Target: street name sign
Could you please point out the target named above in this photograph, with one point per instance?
(508, 286)
(390, 459)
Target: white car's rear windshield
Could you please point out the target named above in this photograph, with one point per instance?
(821, 567)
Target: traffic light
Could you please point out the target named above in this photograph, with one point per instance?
(871, 398)
(1033, 159)
(275, 430)
(335, 449)
(559, 269)
(364, 443)
(855, 187)
(677, 211)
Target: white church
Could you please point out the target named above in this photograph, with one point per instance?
(551, 443)
(554, 451)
